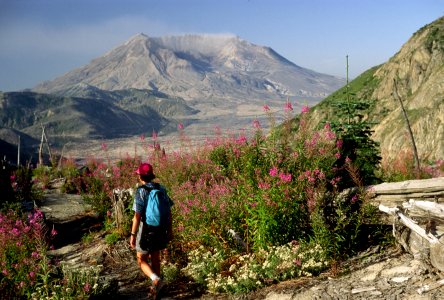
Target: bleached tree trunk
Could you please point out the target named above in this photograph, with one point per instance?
(409, 128)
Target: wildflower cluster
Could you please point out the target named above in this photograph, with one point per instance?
(78, 283)
(203, 263)
(243, 273)
(22, 251)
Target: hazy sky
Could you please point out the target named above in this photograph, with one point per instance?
(43, 39)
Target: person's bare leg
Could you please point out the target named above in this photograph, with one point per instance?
(155, 262)
(142, 260)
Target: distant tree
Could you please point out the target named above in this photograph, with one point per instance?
(354, 133)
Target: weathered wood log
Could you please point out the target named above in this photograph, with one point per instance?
(409, 223)
(431, 208)
(429, 287)
(422, 240)
(395, 193)
(121, 200)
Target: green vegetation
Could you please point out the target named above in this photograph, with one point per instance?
(249, 211)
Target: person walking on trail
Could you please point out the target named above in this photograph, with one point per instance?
(152, 225)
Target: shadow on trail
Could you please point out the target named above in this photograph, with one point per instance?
(72, 231)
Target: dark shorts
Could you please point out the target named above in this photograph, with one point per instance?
(150, 238)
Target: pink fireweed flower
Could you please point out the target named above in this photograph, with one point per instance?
(327, 126)
(266, 108)
(142, 137)
(273, 172)
(354, 198)
(180, 126)
(335, 181)
(338, 155)
(53, 232)
(305, 109)
(87, 287)
(347, 160)
(104, 146)
(288, 107)
(339, 144)
(154, 135)
(285, 177)
(263, 185)
(330, 135)
(256, 124)
(241, 140)
(32, 274)
(297, 262)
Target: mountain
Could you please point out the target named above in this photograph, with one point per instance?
(71, 118)
(202, 69)
(134, 100)
(418, 69)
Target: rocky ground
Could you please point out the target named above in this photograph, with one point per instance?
(378, 273)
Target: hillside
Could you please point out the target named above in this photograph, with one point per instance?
(99, 114)
(418, 69)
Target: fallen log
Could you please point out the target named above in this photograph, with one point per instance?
(409, 223)
(422, 239)
(395, 193)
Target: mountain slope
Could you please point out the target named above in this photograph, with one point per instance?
(74, 118)
(198, 67)
(134, 100)
(418, 69)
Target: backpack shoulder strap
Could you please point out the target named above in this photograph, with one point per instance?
(146, 188)
(150, 186)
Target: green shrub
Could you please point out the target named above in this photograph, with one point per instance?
(112, 238)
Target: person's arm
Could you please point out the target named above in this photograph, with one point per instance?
(134, 228)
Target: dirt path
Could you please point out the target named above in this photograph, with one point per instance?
(376, 274)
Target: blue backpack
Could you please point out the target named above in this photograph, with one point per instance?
(158, 208)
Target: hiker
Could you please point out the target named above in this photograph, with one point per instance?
(149, 240)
